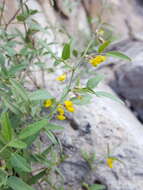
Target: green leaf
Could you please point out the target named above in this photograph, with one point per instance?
(5, 154)
(18, 184)
(107, 95)
(6, 128)
(34, 179)
(103, 46)
(66, 52)
(118, 54)
(2, 59)
(32, 11)
(33, 128)
(18, 144)
(31, 139)
(10, 51)
(19, 89)
(20, 163)
(12, 107)
(93, 82)
(97, 187)
(41, 94)
(23, 16)
(82, 90)
(17, 68)
(82, 101)
(51, 137)
(52, 126)
(3, 178)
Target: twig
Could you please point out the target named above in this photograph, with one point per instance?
(2, 10)
(11, 19)
(34, 81)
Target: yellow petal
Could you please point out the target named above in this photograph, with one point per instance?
(61, 117)
(60, 110)
(68, 103)
(110, 162)
(61, 77)
(97, 60)
(70, 108)
(48, 103)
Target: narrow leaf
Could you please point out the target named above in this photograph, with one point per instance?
(17, 68)
(18, 184)
(2, 59)
(41, 94)
(20, 163)
(93, 82)
(34, 179)
(18, 144)
(107, 95)
(51, 137)
(83, 100)
(10, 51)
(3, 177)
(66, 51)
(118, 55)
(52, 126)
(12, 107)
(33, 128)
(82, 90)
(103, 46)
(19, 89)
(6, 129)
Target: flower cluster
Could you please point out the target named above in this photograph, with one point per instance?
(68, 105)
(97, 60)
(61, 112)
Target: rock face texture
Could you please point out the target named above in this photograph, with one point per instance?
(129, 77)
(100, 124)
(123, 15)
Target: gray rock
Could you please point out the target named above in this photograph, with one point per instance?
(74, 172)
(130, 85)
(129, 77)
(111, 124)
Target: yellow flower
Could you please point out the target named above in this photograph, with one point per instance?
(60, 109)
(97, 60)
(69, 105)
(61, 77)
(110, 162)
(61, 117)
(70, 109)
(48, 103)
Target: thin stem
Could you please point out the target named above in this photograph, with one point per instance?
(22, 8)
(2, 11)
(63, 96)
(87, 48)
(11, 19)
(33, 80)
